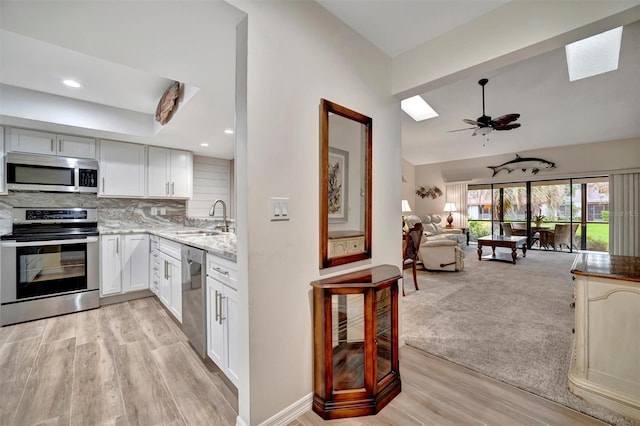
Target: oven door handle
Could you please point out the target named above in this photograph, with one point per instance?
(87, 240)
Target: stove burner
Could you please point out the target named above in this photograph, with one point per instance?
(42, 224)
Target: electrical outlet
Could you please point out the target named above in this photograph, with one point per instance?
(163, 211)
(154, 211)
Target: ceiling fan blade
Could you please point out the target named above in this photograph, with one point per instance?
(472, 122)
(460, 130)
(505, 119)
(508, 126)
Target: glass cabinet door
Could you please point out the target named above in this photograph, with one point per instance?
(383, 333)
(348, 341)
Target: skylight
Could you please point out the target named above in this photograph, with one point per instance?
(417, 108)
(594, 55)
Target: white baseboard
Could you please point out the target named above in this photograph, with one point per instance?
(240, 422)
(290, 413)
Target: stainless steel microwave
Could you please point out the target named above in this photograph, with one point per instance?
(51, 173)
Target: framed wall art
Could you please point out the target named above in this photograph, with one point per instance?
(338, 185)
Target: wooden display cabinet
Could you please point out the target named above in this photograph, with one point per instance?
(356, 371)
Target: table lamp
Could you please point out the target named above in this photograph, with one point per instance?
(406, 208)
(448, 208)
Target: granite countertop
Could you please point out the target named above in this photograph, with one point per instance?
(223, 244)
(604, 265)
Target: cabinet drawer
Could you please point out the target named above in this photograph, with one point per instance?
(222, 270)
(346, 246)
(170, 247)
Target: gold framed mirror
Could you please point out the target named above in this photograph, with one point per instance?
(345, 185)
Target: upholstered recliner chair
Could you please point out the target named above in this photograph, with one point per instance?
(433, 230)
(441, 255)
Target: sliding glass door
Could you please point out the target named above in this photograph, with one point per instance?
(579, 207)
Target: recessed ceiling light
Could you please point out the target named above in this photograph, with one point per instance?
(228, 131)
(417, 108)
(594, 55)
(204, 144)
(72, 83)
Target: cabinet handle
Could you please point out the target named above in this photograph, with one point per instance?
(221, 317)
(173, 187)
(217, 311)
(103, 185)
(166, 274)
(59, 146)
(117, 245)
(166, 189)
(220, 271)
(52, 147)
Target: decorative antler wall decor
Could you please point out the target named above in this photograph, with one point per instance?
(433, 192)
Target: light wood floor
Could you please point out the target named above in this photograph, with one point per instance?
(438, 392)
(129, 364)
(121, 364)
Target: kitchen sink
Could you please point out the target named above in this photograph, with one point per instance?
(202, 232)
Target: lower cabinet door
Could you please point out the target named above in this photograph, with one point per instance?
(230, 315)
(175, 277)
(165, 282)
(215, 328)
(136, 266)
(110, 265)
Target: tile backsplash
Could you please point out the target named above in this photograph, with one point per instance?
(110, 210)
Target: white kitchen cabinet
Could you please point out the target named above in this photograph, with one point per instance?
(122, 169)
(171, 277)
(76, 146)
(36, 142)
(169, 173)
(124, 263)
(135, 262)
(110, 265)
(222, 316)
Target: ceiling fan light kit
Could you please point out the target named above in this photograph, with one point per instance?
(484, 124)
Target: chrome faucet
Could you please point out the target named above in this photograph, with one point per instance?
(225, 227)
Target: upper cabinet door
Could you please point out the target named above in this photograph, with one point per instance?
(122, 167)
(33, 142)
(181, 176)
(76, 146)
(169, 173)
(158, 172)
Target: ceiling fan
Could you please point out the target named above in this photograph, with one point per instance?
(485, 125)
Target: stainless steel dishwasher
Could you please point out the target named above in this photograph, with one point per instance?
(194, 299)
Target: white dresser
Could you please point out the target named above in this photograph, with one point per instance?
(605, 367)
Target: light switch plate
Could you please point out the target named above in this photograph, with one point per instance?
(279, 208)
(154, 211)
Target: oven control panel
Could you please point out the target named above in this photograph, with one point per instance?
(56, 214)
(30, 215)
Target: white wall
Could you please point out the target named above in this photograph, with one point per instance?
(595, 159)
(297, 54)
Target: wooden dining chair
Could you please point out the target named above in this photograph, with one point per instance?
(411, 244)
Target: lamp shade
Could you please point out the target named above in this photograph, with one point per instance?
(450, 207)
(406, 208)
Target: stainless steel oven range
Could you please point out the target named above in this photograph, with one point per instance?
(49, 264)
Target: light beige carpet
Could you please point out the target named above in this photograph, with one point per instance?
(510, 322)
